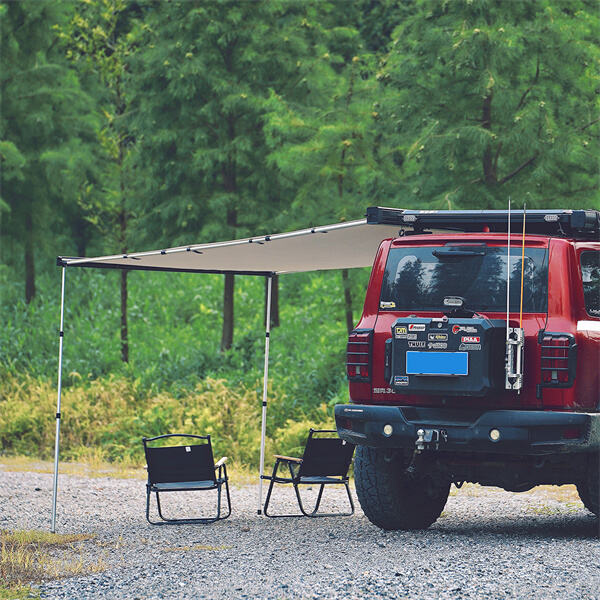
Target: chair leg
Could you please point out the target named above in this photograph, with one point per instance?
(349, 498)
(270, 490)
(315, 512)
(228, 498)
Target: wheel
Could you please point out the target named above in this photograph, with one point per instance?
(393, 498)
(589, 489)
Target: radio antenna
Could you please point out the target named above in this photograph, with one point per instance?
(522, 267)
(508, 275)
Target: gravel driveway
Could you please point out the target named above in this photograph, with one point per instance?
(487, 544)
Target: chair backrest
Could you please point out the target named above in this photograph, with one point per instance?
(325, 457)
(171, 464)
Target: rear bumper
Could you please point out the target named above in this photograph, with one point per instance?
(466, 430)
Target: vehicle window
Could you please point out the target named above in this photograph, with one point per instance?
(590, 275)
(420, 278)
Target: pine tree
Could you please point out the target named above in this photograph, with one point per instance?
(495, 99)
(328, 149)
(100, 39)
(206, 71)
(45, 124)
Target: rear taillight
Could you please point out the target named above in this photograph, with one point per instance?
(558, 359)
(358, 355)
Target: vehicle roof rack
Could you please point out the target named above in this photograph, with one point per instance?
(575, 224)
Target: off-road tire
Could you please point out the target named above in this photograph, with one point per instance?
(589, 489)
(392, 498)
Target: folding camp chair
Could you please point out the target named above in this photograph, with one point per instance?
(182, 469)
(325, 462)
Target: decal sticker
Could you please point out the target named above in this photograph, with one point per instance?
(464, 347)
(411, 336)
(437, 337)
(400, 332)
(470, 339)
(437, 345)
(420, 344)
(465, 328)
(383, 391)
(401, 380)
(416, 327)
(387, 304)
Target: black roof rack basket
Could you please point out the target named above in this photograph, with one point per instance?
(576, 224)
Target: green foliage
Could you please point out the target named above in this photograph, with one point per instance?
(489, 99)
(46, 120)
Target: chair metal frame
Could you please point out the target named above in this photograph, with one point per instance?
(216, 482)
(297, 478)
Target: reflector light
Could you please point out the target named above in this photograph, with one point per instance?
(571, 433)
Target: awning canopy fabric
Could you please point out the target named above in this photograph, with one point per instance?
(338, 246)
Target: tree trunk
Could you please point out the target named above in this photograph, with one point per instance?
(124, 330)
(489, 171)
(123, 239)
(124, 327)
(274, 301)
(227, 336)
(228, 298)
(347, 300)
(29, 259)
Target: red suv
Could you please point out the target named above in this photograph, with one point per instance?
(449, 385)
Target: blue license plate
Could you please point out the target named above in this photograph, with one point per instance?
(437, 363)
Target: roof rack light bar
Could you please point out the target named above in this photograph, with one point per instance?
(562, 223)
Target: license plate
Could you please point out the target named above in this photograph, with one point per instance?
(437, 363)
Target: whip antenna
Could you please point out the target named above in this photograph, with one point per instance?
(508, 274)
(522, 267)
(515, 336)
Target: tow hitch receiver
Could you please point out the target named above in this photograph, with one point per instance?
(430, 439)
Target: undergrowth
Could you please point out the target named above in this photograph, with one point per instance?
(105, 419)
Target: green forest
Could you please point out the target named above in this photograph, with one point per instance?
(128, 125)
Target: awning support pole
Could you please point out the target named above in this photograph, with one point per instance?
(57, 438)
(263, 429)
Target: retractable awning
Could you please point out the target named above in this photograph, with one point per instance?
(338, 246)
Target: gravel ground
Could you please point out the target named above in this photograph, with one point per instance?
(487, 544)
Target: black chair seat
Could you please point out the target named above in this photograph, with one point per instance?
(181, 486)
(317, 480)
(325, 461)
(184, 469)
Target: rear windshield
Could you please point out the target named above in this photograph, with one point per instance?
(590, 271)
(420, 278)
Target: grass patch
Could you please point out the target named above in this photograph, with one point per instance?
(28, 557)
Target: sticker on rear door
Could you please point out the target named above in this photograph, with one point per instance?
(437, 337)
(470, 339)
(400, 332)
(416, 327)
(401, 380)
(464, 347)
